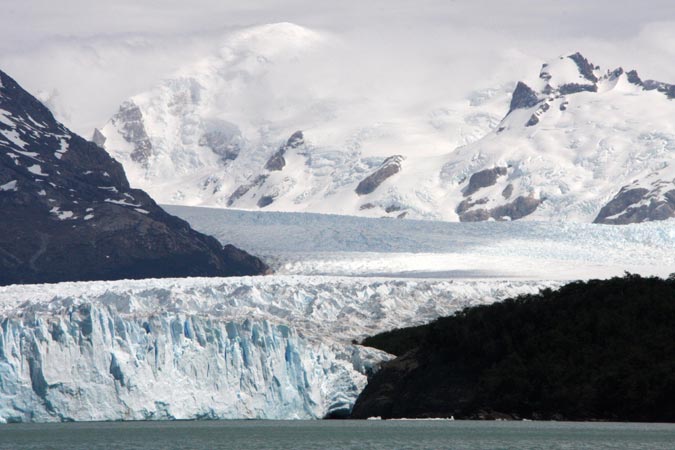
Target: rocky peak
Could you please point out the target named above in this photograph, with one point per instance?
(523, 97)
(277, 160)
(389, 167)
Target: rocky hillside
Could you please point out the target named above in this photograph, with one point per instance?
(68, 212)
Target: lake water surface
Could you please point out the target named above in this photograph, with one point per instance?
(380, 435)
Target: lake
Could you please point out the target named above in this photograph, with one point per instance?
(372, 434)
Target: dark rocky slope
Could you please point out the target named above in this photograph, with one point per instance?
(597, 350)
(67, 211)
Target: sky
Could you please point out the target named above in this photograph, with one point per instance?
(84, 57)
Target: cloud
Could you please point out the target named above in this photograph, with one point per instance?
(401, 54)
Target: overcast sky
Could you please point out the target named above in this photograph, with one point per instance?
(89, 55)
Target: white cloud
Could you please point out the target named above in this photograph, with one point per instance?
(405, 53)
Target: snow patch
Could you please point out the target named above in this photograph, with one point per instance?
(36, 169)
(62, 215)
(10, 186)
(14, 138)
(5, 118)
(121, 202)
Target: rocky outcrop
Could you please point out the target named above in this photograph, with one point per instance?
(68, 212)
(523, 97)
(534, 119)
(469, 203)
(390, 167)
(129, 121)
(635, 205)
(633, 77)
(484, 178)
(265, 200)
(586, 69)
(574, 88)
(277, 161)
(244, 188)
(517, 209)
(651, 85)
(667, 89)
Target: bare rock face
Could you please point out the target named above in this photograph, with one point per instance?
(585, 67)
(635, 205)
(265, 200)
(534, 119)
(69, 214)
(277, 161)
(523, 97)
(129, 120)
(467, 204)
(484, 178)
(517, 209)
(667, 89)
(574, 88)
(633, 77)
(390, 167)
(244, 188)
(651, 85)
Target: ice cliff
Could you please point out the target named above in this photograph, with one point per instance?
(205, 348)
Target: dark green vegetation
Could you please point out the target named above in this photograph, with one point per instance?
(597, 350)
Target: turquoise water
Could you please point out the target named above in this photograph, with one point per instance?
(380, 435)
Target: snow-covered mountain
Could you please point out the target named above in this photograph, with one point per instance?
(577, 143)
(249, 128)
(574, 142)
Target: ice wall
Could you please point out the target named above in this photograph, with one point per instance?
(88, 362)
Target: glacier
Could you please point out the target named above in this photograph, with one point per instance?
(324, 244)
(282, 346)
(277, 347)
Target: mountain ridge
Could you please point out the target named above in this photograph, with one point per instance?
(69, 213)
(571, 140)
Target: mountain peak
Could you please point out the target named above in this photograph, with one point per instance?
(572, 69)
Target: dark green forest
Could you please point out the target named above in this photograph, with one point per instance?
(596, 350)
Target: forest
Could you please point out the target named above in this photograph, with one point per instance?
(595, 350)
